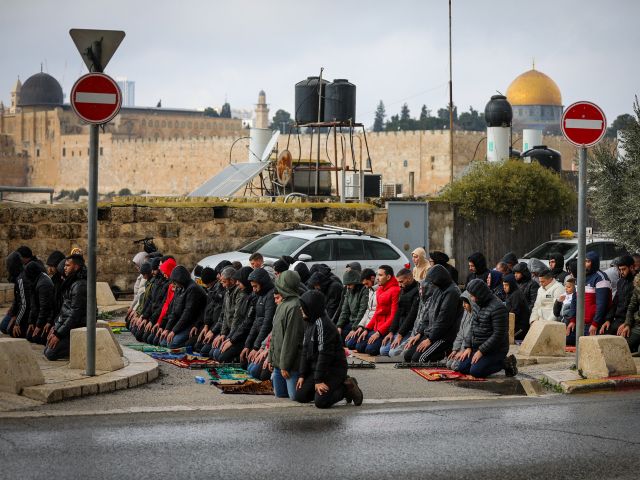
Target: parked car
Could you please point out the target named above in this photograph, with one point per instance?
(333, 246)
(604, 246)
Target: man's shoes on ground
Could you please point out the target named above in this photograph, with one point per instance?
(510, 366)
(353, 392)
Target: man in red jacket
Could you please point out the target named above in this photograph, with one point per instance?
(387, 296)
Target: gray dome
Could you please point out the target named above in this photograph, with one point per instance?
(40, 89)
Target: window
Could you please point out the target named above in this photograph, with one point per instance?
(350, 249)
(100, 151)
(544, 251)
(64, 152)
(319, 251)
(405, 163)
(610, 251)
(157, 123)
(379, 251)
(37, 152)
(274, 245)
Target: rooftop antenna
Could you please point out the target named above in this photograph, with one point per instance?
(450, 100)
(533, 63)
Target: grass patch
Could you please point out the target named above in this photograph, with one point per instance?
(105, 316)
(551, 386)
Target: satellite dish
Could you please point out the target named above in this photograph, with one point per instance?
(284, 167)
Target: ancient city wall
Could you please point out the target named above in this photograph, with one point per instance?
(189, 232)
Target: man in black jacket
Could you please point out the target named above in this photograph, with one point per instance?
(331, 287)
(477, 267)
(434, 340)
(323, 364)
(488, 337)
(20, 307)
(212, 309)
(243, 319)
(402, 324)
(73, 313)
(528, 286)
(41, 315)
(516, 304)
(265, 308)
(556, 264)
(624, 289)
(186, 308)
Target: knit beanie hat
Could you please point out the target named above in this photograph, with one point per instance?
(208, 275)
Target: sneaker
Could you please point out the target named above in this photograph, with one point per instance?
(353, 392)
(510, 366)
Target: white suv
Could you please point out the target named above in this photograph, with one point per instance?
(333, 246)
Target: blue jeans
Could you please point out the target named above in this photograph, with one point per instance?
(4, 325)
(282, 387)
(489, 364)
(372, 349)
(179, 340)
(387, 351)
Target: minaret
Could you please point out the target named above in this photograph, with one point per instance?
(262, 111)
(15, 96)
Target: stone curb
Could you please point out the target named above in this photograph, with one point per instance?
(140, 370)
(588, 385)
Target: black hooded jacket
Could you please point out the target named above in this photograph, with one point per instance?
(444, 308)
(42, 309)
(152, 310)
(517, 304)
(441, 258)
(558, 271)
(622, 298)
(490, 329)
(407, 310)
(213, 308)
(330, 286)
(245, 312)
(322, 351)
(188, 301)
(528, 286)
(73, 313)
(265, 307)
(21, 289)
(480, 263)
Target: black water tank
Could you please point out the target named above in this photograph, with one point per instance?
(340, 101)
(307, 100)
(546, 157)
(498, 112)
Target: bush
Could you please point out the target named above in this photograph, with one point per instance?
(513, 189)
(125, 192)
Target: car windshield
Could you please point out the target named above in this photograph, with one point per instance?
(544, 251)
(274, 245)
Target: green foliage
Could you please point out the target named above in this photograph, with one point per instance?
(378, 122)
(281, 121)
(614, 184)
(513, 189)
(225, 111)
(211, 112)
(125, 192)
(105, 316)
(622, 122)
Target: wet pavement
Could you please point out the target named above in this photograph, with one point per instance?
(586, 437)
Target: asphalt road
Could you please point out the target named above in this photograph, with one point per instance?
(585, 437)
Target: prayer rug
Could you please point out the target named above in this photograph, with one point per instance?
(119, 330)
(117, 323)
(370, 359)
(141, 347)
(436, 374)
(185, 360)
(229, 375)
(247, 388)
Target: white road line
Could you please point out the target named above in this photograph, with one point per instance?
(584, 124)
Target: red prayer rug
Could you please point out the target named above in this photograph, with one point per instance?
(437, 374)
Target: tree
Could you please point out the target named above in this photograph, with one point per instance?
(378, 122)
(281, 121)
(211, 112)
(393, 124)
(614, 183)
(620, 123)
(475, 193)
(472, 120)
(425, 113)
(225, 111)
(406, 122)
(443, 114)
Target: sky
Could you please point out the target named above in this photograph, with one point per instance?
(194, 54)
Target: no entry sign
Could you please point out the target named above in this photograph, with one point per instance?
(96, 98)
(584, 124)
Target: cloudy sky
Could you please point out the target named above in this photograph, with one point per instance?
(192, 54)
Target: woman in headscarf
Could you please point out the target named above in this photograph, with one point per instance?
(419, 257)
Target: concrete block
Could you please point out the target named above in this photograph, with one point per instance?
(512, 329)
(105, 325)
(604, 356)
(153, 374)
(108, 357)
(104, 295)
(18, 366)
(544, 338)
(108, 386)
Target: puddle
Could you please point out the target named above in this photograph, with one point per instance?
(497, 386)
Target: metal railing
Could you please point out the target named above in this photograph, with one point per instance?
(6, 189)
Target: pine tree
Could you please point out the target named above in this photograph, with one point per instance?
(225, 111)
(378, 123)
(614, 183)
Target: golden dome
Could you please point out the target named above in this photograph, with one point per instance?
(534, 88)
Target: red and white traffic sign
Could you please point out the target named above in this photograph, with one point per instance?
(96, 98)
(584, 124)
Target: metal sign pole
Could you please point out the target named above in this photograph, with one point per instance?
(91, 250)
(582, 242)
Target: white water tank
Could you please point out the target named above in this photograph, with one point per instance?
(530, 138)
(258, 141)
(498, 143)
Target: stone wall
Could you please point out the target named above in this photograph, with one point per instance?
(188, 232)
